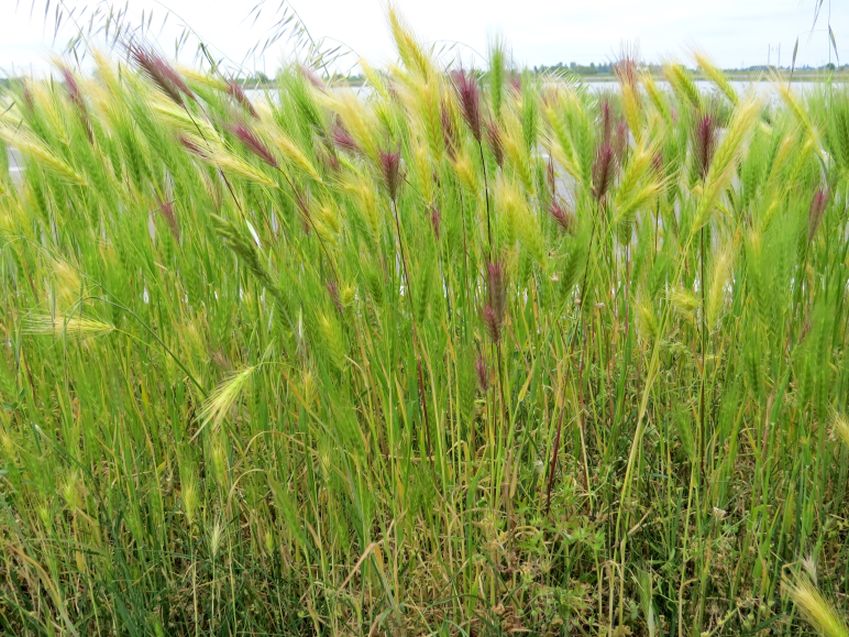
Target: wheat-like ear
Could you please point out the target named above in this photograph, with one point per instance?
(62, 326)
(29, 145)
(222, 398)
(840, 425)
(717, 77)
(411, 53)
(819, 612)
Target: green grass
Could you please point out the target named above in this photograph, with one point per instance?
(439, 360)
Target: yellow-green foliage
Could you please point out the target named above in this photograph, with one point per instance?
(330, 363)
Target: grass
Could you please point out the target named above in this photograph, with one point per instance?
(477, 354)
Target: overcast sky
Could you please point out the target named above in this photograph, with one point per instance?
(732, 32)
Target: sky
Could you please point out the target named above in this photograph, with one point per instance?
(733, 33)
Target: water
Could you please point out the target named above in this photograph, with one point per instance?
(766, 90)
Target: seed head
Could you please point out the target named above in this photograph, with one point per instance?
(494, 138)
(254, 144)
(158, 70)
(234, 89)
(76, 97)
(192, 146)
(564, 217)
(469, 94)
(482, 372)
(817, 210)
(436, 221)
(602, 171)
(449, 132)
(390, 165)
(342, 138)
(166, 209)
(705, 142)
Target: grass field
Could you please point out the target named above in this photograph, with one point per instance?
(477, 354)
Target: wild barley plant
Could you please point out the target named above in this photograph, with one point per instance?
(475, 353)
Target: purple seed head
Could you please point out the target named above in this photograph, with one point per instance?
(390, 165)
(493, 322)
(606, 122)
(311, 77)
(494, 310)
(705, 143)
(449, 132)
(234, 89)
(333, 291)
(158, 70)
(602, 171)
(436, 221)
(254, 144)
(469, 94)
(819, 202)
(494, 139)
(76, 97)
(166, 209)
(342, 138)
(482, 372)
(192, 147)
(564, 217)
(620, 141)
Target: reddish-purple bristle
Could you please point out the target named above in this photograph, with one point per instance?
(494, 138)
(312, 78)
(158, 70)
(166, 209)
(562, 215)
(436, 221)
(191, 146)
(602, 171)
(606, 122)
(76, 97)
(705, 142)
(493, 311)
(469, 94)
(493, 322)
(620, 141)
(342, 138)
(254, 144)
(819, 202)
(390, 165)
(449, 132)
(333, 291)
(234, 89)
(482, 372)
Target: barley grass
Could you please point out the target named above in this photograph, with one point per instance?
(473, 354)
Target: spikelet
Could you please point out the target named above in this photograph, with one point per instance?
(637, 186)
(68, 286)
(683, 85)
(294, 155)
(409, 50)
(801, 115)
(219, 402)
(465, 171)
(565, 151)
(819, 613)
(29, 145)
(358, 121)
(840, 426)
(720, 274)
(332, 339)
(63, 325)
(717, 77)
(657, 98)
(725, 159)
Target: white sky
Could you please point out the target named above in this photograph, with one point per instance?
(731, 32)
